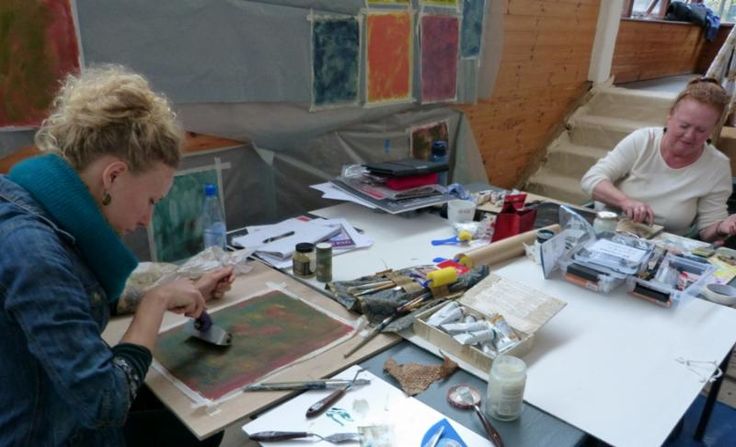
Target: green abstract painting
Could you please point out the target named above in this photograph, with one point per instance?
(177, 233)
(268, 331)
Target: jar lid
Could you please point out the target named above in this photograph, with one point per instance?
(304, 247)
(324, 246)
(607, 215)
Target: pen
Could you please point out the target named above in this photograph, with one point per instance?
(275, 238)
(304, 385)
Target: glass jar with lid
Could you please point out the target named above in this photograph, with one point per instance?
(605, 221)
(304, 260)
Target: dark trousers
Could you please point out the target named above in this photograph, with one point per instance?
(150, 423)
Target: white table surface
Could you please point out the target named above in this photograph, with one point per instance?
(605, 364)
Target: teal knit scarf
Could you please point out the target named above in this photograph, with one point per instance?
(58, 188)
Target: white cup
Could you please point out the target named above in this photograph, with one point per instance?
(460, 211)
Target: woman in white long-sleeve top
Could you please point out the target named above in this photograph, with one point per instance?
(672, 174)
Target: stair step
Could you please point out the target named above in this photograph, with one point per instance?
(605, 132)
(631, 104)
(556, 186)
(569, 159)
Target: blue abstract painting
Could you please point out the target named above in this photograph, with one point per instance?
(472, 28)
(335, 59)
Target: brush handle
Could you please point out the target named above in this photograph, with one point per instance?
(491, 431)
(270, 436)
(323, 404)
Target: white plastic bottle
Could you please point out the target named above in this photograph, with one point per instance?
(213, 221)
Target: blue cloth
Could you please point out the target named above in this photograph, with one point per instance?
(60, 383)
(711, 21)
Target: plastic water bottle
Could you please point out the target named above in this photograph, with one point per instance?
(213, 221)
(439, 155)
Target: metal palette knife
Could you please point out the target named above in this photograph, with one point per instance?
(203, 329)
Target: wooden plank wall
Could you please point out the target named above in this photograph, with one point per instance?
(654, 49)
(544, 71)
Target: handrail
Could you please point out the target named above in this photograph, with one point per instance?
(723, 68)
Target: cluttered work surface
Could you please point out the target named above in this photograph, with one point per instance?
(622, 369)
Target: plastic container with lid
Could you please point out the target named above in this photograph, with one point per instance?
(324, 262)
(506, 382)
(304, 261)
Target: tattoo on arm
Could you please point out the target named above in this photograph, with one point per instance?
(129, 300)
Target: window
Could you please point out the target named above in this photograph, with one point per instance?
(725, 9)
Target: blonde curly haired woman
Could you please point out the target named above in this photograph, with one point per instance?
(112, 147)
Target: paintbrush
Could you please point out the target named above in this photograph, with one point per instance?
(320, 384)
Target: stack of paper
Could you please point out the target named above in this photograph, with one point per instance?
(275, 243)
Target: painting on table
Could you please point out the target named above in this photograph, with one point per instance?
(269, 331)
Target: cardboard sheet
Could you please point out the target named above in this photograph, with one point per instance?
(374, 404)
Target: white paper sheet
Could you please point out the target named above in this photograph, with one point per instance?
(377, 403)
(278, 240)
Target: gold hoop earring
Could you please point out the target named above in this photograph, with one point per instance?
(106, 198)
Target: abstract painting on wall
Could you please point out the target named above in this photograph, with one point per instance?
(335, 61)
(472, 28)
(175, 231)
(421, 138)
(445, 3)
(388, 2)
(39, 48)
(269, 331)
(389, 57)
(439, 36)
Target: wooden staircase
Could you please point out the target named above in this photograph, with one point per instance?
(592, 130)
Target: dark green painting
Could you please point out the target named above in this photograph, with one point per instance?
(269, 331)
(177, 233)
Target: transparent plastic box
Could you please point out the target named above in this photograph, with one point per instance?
(663, 289)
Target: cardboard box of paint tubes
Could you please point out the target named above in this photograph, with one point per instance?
(496, 316)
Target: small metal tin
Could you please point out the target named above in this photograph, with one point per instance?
(324, 262)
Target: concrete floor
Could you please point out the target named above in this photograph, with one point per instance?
(673, 84)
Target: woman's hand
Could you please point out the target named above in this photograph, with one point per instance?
(637, 211)
(213, 285)
(726, 227)
(180, 296)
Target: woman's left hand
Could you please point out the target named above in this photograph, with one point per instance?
(214, 284)
(727, 226)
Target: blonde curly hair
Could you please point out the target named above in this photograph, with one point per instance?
(109, 110)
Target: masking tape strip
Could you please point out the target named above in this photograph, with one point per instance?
(720, 293)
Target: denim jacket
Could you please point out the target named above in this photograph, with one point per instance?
(60, 383)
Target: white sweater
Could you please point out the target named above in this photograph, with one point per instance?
(679, 197)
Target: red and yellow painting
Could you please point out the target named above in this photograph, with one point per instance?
(268, 332)
(389, 56)
(39, 48)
